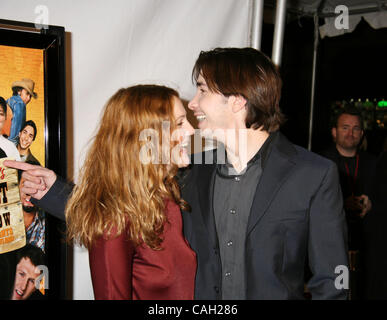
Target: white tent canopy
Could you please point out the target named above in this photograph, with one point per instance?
(327, 7)
(372, 11)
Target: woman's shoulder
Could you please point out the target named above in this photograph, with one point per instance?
(171, 206)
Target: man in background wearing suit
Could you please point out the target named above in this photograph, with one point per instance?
(261, 210)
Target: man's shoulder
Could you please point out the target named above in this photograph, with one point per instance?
(14, 100)
(312, 159)
(369, 157)
(330, 152)
(32, 160)
(301, 155)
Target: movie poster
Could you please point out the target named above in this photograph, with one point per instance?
(22, 137)
(12, 228)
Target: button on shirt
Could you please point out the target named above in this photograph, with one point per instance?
(233, 198)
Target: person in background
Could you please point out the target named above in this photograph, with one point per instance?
(7, 146)
(22, 91)
(27, 135)
(28, 259)
(357, 172)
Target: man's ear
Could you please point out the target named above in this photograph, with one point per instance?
(238, 103)
(334, 131)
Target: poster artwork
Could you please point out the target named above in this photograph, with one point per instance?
(12, 229)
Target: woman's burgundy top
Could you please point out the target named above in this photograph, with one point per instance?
(120, 270)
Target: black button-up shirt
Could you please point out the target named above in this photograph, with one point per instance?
(233, 198)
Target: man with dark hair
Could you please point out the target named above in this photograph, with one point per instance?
(257, 216)
(357, 173)
(22, 91)
(28, 259)
(27, 135)
(356, 169)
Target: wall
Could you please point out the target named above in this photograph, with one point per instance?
(123, 42)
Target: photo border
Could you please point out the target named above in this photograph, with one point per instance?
(51, 39)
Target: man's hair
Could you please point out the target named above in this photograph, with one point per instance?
(31, 124)
(248, 73)
(348, 110)
(31, 252)
(16, 90)
(3, 105)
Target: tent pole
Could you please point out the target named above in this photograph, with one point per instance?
(315, 47)
(280, 20)
(256, 25)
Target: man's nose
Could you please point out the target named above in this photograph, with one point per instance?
(23, 285)
(192, 104)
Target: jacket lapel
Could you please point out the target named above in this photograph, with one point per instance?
(205, 187)
(278, 167)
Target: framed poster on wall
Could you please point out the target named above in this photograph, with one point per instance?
(32, 122)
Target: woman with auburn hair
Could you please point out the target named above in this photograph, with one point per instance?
(126, 206)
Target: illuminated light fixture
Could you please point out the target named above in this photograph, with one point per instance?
(382, 104)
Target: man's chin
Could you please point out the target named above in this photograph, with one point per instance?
(349, 145)
(351, 148)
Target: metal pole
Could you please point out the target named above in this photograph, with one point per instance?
(315, 46)
(280, 20)
(256, 24)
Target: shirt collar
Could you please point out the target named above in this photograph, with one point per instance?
(260, 156)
